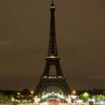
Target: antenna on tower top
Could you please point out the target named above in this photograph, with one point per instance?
(52, 2)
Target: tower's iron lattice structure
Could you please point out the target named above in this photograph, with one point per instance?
(52, 59)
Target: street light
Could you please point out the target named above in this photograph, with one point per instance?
(18, 93)
(73, 92)
(32, 92)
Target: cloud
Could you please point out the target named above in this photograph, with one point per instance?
(5, 43)
(99, 77)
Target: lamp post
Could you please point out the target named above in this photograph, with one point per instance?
(74, 92)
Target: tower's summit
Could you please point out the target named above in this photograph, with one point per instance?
(52, 50)
(52, 60)
(52, 3)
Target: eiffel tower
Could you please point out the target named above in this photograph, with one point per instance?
(57, 79)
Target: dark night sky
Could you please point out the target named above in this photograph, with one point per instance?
(24, 32)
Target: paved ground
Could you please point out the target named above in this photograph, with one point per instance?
(51, 104)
